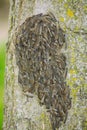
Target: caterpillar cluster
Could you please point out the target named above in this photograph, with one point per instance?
(42, 66)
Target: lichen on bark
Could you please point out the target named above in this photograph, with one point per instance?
(72, 18)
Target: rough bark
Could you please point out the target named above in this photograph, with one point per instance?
(18, 107)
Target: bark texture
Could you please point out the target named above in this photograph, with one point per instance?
(19, 108)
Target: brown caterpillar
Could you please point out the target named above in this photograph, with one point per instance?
(42, 66)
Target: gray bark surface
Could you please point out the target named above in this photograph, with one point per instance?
(19, 109)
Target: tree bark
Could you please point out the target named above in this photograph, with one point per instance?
(24, 113)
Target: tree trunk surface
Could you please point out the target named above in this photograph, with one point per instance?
(25, 113)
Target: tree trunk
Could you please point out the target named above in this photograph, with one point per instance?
(23, 112)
